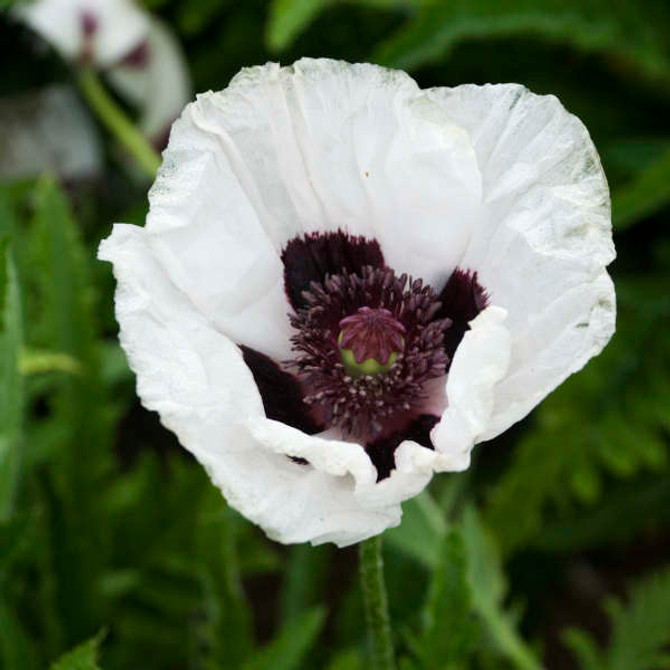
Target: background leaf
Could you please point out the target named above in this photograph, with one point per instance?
(11, 384)
(288, 650)
(450, 631)
(288, 18)
(83, 657)
(620, 29)
(640, 630)
(646, 194)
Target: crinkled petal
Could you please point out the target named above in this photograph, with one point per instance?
(209, 238)
(196, 379)
(328, 453)
(541, 250)
(481, 361)
(317, 146)
(120, 25)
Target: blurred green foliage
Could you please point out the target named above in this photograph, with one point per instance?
(106, 525)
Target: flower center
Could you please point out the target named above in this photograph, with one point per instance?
(370, 341)
(365, 345)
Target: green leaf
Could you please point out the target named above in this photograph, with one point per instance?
(4, 276)
(449, 608)
(11, 383)
(610, 418)
(34, 361)
(612, 520)
(289, 648)
(421, 533)
(622, 30)
(288, 18)
(83, 657)
(303, 581)
(640, 630)
(229, 628)
(74, 432)
(647, 193)
(17, 649)
(584, 648)
(350, 659)
(488, 586)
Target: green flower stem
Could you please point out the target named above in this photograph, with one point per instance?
(376, 604)
(116, 121)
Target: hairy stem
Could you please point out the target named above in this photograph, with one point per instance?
(376, 604)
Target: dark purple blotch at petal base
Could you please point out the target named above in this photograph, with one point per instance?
(280, 392)
(382, 451)
(310, 258)
(462, 298)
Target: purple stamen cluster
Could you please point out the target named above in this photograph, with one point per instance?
(366, 406)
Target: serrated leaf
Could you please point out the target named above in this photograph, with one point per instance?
(603, 419)
(289, 648)
(83, 657)
(641, 630)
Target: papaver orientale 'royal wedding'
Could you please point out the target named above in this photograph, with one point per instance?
(345, 282)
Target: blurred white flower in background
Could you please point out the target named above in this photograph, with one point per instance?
(265, 306)
(100, 32)
(48, 131)
(140, 56)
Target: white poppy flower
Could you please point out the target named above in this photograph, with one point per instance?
(140, 55)
(265, 309)
(99, 31)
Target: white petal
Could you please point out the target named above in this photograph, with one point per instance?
(480, 362)
(161, 87)
(196, 379)
(120, 26)
(213, 245)
(287, 150)
(542, 247)
(325, 145)
(328, 454)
